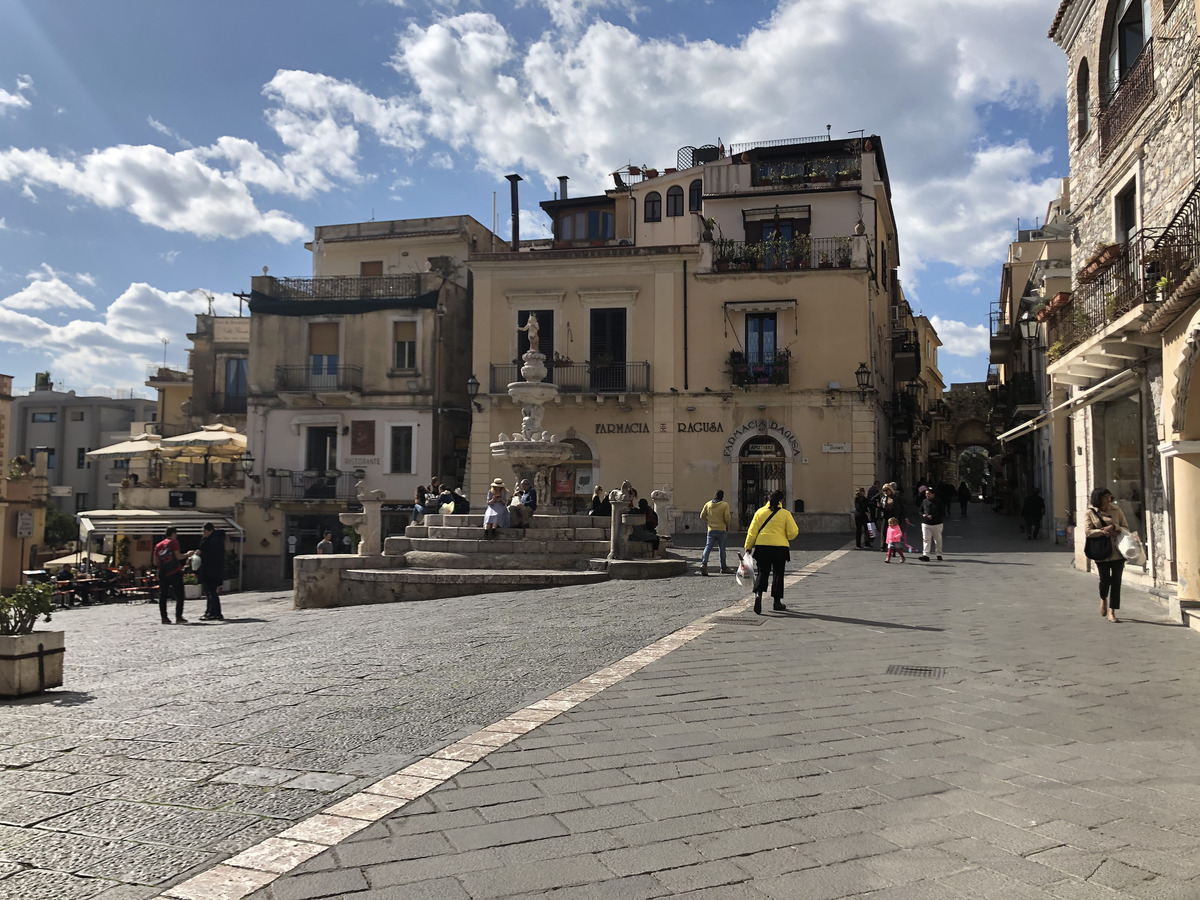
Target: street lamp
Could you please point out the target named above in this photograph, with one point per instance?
(247, 463)
(1030, 329)
(863, 376)
(473, 392)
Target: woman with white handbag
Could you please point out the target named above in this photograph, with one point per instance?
(1104, 519)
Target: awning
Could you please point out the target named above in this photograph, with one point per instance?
(746, 306)
(1097, 393)
(149, 521)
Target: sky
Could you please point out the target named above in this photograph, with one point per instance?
(154, 156)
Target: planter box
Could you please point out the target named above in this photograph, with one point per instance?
(192, 592)
(30, 663)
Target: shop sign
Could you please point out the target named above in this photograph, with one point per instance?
(700, 427)
(181, 499)
(835, 448)
(762, 427)
(395, 507)
(623, 428)
(361, 461)
(25, 524)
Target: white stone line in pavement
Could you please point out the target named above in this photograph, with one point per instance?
(255, 868)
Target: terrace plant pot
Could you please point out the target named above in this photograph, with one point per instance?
(31, 663)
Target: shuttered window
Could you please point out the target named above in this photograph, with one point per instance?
(406, 345)
(374, 267)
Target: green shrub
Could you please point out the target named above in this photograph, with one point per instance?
(21, 609)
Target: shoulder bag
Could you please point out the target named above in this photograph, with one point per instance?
(1098, 547)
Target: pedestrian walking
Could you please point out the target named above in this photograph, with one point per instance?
(325, 547)
(771, 532)
(1032, 511)
(716, 515)
(891, 506)
(964, 497)
(1105, 519)
(169, 562)
(211, 570)
(496, 514)
(862, 536)
(933, 515)
(895, 540)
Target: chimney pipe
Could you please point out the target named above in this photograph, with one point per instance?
(562, 187)
(516, 213)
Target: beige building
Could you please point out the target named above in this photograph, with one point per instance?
(1124, 343)
(359, 371)
(707, 328)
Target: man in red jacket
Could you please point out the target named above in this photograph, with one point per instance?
(169, 562)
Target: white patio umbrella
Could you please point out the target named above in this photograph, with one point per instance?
(140, 445)
(210, 442)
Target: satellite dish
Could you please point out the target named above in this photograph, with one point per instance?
(264, 270)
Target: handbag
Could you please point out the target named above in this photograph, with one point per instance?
(1097, 547)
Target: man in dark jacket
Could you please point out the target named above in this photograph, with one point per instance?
(933, 514)
(1032, 511)
(211, 573)
(523, 505)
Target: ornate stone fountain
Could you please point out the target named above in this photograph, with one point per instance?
(532, 452)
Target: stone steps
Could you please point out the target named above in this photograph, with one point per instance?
(525, 547)
(364, 586)
(493, 561)
(454, 532)
(474, 520)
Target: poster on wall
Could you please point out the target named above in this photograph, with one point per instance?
(583, 481)
(362, 437)
(564, 481)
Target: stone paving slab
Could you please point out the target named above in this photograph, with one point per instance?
(1023, 748)
(208, 739)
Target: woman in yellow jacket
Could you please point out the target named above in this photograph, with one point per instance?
(770, 532)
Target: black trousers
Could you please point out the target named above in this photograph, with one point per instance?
(171, 583)
(1033, 527)
(771, 561)
(1110, 581)
(861, 535)
(212, 599)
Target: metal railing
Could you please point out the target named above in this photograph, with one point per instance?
(746, 369)
(303, 378)
(1127, 102)
(582, 378)
(1108, 294)
(307, 486)
(773, 254)
(801, 172)
(1177, 249)
(779, 142)
(345, 287)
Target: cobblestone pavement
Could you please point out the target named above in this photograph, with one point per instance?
(964, 729)
(170, 749)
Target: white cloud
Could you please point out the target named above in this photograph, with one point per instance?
(441, 160)
(570, 15)
(170, 256)
(168, 132)
(961, 339)
(965, 279)
(16, 100)
(110, 354)
(46, 291)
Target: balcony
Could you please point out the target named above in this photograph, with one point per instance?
(745, 370)
(341, 287)
(940, 450)
(777, 254)
(582, 378)
(1131, 97)
(281, 484)
(1001, 330)
(1171, 263)
(304, 379)
(232, 405)
(807, 173)
(1122, 281)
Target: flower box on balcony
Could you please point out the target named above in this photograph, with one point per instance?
(1101, 260)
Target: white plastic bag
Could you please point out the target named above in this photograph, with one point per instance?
(747, 570)
(195, 561)
(871, 530)
(1130, 546)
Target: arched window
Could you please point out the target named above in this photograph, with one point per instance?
(674, 201)
(652, 206)
(1083, 112)
(695, 196)
(1128, 36)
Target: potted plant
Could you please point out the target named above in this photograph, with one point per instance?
(723, 250)
(843, 253)
(826, 261)
(191, 586)
(30, 661)
(737, 368)
(802, 251)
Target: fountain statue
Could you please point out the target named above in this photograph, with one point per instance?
(532, 452)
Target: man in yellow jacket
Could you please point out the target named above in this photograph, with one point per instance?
(772, 529)
(716, 515)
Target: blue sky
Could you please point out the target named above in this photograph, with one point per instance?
(154, 153)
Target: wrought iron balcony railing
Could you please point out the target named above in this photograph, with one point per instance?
(232, 404)
(750, 368)
(772, 254)
(303, 378)
(1131, 97)
(345, 287)
(1176, 251)
(284, 485)
(1125, 281)
(582, 378)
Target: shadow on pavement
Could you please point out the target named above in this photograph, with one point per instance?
(53, 698)
(794, 614)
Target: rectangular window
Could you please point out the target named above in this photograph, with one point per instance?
(77, 415)
(607, 345)
(235, 377)
(81, 457)
(33, 456)
(586, 225)
(760, 338)
(406, 345)
(374, 267)
(402, 450)
(44, 417)
(323, 353)
(120, 464)
(81, 502)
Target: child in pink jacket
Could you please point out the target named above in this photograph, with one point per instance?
(895, 540)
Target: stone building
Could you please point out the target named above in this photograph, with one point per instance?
(1118, 344)
(709, 326)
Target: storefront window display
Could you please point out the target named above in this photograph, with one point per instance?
(571, 482)
(1119, 433)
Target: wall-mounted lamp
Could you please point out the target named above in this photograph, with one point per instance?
(473, 392)
(345, 430)
(1030, 329)
(862, 375)
(691, 409)
(247, 462)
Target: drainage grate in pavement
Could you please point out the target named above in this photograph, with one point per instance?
(735, 620)
(917, 671)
